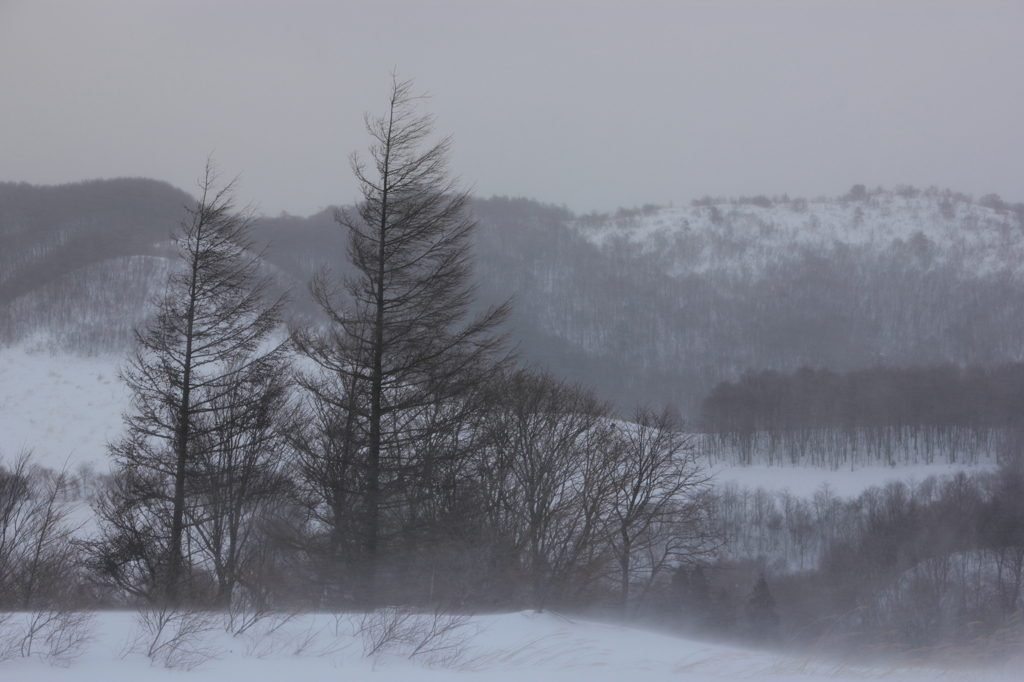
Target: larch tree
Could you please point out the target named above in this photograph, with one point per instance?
(205, 358)
(400, 339)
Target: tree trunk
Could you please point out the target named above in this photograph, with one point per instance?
(181, 448)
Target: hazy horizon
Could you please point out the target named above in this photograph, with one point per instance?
(589, 105)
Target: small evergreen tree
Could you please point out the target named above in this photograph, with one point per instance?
(761, 620)
(698, 596)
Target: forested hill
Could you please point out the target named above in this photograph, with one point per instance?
(46, 232)
(656, 305)
(663, 303)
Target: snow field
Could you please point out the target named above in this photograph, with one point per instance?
(63, 408)
(805, 481)
(514, 646)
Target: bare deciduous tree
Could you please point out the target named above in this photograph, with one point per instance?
(547, 484)
(239, 473)
(38, 558)
(660, 503)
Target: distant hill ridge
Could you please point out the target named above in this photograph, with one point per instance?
(655, 304)
(50, 230)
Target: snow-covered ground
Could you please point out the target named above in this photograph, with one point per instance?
(805, 481)
(61, 407)
(515, 646)
(66, 408)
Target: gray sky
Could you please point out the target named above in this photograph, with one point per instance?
(593, 105)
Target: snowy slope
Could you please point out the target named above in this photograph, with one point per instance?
(63, 408)
(66, 408)
(805, 481)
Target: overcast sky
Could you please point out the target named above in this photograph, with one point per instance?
(594, 105)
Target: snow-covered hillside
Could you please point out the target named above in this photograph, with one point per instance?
(66, 408)
(63, 408)
(745, 235)
(665, 303)
(658, 305)
(652, 305)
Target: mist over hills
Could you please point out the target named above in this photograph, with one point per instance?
(654, 305)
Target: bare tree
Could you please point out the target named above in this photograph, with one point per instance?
(328, 445)
(547, 484)
(39, 561)
(400, 338)
(211, 334)
(660, 503)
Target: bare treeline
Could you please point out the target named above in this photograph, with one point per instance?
(884, 415)
(900, 566)
(89, 311)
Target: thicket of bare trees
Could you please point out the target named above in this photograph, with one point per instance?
(900, 566)
(392, 453)
(427, 465)
(39, 565)
(43, 581)
(661, 504)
